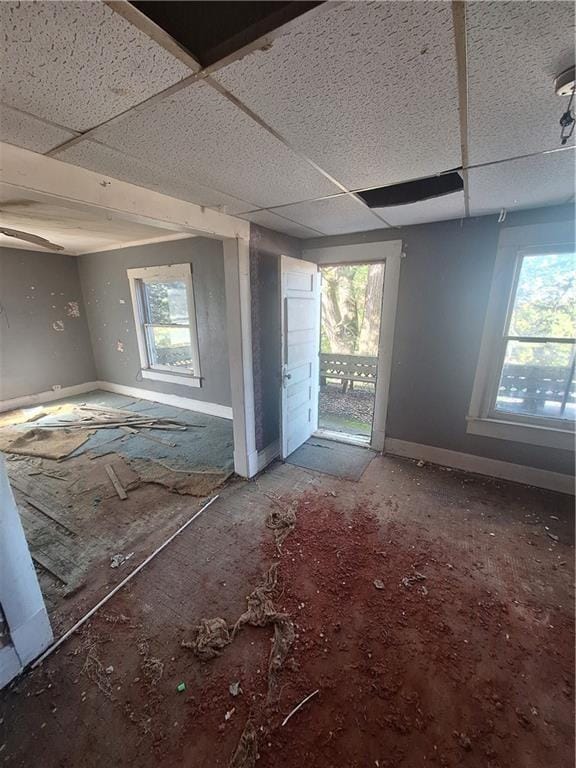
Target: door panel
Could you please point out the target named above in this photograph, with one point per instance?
(300, 286)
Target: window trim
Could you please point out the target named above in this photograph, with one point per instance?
(188, 377)
(483, 418)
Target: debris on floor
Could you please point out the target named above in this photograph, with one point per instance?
(46, 443)
(246, 752)
(210, 637)
(281, 520)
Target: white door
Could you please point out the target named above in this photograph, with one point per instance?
(300, 291)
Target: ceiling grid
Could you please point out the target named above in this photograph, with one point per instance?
(289, 134)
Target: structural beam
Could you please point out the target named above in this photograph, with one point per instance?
(47, 178)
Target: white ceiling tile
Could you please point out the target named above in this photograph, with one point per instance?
(280, 224)
(366, 90)
(97, 157)
(333, 216)
(528, 183)
(78, 63)
(198, 132)
(78, 231)
(29, 132)
(515, 51)
(435, 209)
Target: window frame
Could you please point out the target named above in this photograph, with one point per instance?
(483, 418)
(136, 277)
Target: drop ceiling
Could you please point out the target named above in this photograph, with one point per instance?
(346, 96)
(77, 231)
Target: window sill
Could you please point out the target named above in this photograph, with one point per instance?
(183, 380)
(521, 433)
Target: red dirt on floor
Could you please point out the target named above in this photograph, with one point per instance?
(437, 671)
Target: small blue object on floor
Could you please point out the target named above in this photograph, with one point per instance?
(332, 458)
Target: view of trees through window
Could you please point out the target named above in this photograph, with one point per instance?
(538, 372)
(545, 307)
(351, 303)
(168, 322)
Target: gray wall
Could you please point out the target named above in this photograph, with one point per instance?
(266, 247)
(111, 319)
(35, 291)
(444, 286)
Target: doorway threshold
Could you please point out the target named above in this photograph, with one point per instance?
(363, 441)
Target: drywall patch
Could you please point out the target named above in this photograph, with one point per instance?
(58, 325)
(72, 309)
(119, 346)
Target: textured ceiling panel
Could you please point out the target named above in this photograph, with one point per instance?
(366, 90)
(96, 157)
(27, 131)
(78, 63)
(435, 209)
(529, 183)
(333, 216)
(76, 230)
(515, 51)
(198, 132)
(278, 223)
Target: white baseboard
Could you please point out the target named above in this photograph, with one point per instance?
(46, 397)
(211, 409)
(517, 473)
(200, 406)
(268, 454)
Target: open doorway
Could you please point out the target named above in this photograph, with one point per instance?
(351, 311)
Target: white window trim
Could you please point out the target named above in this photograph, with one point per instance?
(482, 419)
(164, 373)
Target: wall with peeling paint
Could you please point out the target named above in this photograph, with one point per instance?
(111, 319)
(44, 338)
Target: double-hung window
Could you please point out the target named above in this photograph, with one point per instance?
(164, 311)
(525, 384)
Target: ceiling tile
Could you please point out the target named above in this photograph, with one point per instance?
(515, 51)
(528, 183)
(435, 209)
(78, 231)
(110, 162)
(78, 63)
(333, 216)
(366, 90)
(198, 132)
(272, 221)
(29, 132)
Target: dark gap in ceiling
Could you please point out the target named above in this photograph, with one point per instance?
(212, 30)
(413, 191)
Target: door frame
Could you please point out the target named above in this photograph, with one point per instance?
(389, 252)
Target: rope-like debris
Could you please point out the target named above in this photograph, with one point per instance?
(281, 520)
(260, 613)
(210, 637)
(246, 752)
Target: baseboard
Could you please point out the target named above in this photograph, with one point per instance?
(200, 406)
(504, 470)
(48, 396)
(268, 454)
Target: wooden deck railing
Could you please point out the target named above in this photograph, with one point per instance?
(348, 368)
(535, 385)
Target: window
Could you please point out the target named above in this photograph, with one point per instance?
(163, 302)
(526, 370)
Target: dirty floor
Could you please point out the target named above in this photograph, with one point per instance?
(433, 622)
(76, 525)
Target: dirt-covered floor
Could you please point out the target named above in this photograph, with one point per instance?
(432, 614)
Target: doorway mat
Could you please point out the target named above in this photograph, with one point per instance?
(345, 461)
